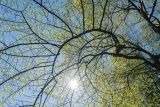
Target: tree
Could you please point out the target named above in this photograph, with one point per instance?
(111, 47)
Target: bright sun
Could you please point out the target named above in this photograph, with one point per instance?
(73, 84)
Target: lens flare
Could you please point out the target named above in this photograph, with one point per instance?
(73, 84)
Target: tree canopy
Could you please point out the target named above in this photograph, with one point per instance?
(80, 53)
